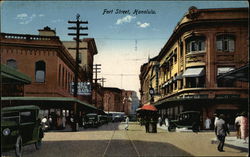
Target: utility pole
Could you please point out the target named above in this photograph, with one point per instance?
(77, 35)
(103, 80)
(96, 69)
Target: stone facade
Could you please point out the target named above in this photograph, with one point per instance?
(205, 44)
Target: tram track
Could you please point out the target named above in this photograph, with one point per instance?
(127, 138)
(109, 141)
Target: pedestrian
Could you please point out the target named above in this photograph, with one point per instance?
(244, 127)
(147, 124)
(215, 118)
(127, 120)
(237, 123)
(63, 122)
(166, 122)
(221, 131)
(160, 121)
(207, 123)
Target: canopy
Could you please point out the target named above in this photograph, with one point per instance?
(149, 108)
(194, 72)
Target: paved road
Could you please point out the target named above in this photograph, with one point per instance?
(113, 141)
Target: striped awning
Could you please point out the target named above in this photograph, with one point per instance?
(194, 72)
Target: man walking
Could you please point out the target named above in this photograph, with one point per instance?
(221, 131)
(127, 120)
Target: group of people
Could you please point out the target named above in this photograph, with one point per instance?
(221, 128)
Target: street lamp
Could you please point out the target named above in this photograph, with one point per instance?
(151, 92)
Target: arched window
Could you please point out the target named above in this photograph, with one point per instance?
(40, 71)
(12, 63)
(195, 44)
(225, 43)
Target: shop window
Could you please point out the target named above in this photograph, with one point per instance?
(12, 63)
(40, 71)
(225, 43)
(196, 44)
(198, 82)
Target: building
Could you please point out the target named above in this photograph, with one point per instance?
(51, 68)
(86, 58)
(130, 101)
(149, 79)
(112, 99)
(205, 44)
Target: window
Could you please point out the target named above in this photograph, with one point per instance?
(225, 43)
(196, 44)
(27, 116)
(225, 82)
(40, 70)
(12, 63)
(59, 75)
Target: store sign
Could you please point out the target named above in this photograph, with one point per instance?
(83, 88)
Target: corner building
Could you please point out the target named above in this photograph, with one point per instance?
(205, 44)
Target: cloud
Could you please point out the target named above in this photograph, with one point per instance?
(21, 16)
(57, 20)
(24, 18)
(143, 25)
(126, 19)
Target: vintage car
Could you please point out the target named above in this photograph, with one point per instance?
(20, 126)
(187, 119)
(91, 120)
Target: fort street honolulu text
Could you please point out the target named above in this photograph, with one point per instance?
(128, 11)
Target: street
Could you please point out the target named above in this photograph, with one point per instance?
(111, 140)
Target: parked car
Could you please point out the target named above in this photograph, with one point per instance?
(20, 126)
(187, 119)
(91, 120)
(103, 119)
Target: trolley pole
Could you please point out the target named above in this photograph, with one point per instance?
(77, 35)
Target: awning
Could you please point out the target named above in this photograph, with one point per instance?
(223, 70)
(179, 76)
(194, 72)
(51, 100)
(8, 73)
(240, 74)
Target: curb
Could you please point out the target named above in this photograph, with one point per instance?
(243, 149)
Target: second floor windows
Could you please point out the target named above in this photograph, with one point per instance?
(40, 69)
(196, 44)
(12, 63)
(225, 43)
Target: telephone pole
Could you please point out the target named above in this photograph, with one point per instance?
(77, 35)
(96, 70)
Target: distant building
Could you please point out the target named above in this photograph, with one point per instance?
(112, 99)
(130, 102)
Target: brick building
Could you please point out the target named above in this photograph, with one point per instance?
(50, 66)
(112, 99)
(186, 74)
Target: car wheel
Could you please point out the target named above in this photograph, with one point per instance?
(38, 144)
(171, 128)
(19, 146)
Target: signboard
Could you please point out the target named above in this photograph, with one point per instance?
(83, 88)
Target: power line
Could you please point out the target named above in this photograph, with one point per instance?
(122, 74)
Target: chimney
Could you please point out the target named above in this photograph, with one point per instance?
(47, 31)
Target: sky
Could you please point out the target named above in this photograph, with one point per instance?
(125, 40)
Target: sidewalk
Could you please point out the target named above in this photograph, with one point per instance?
(233, 143)
(230, 141)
